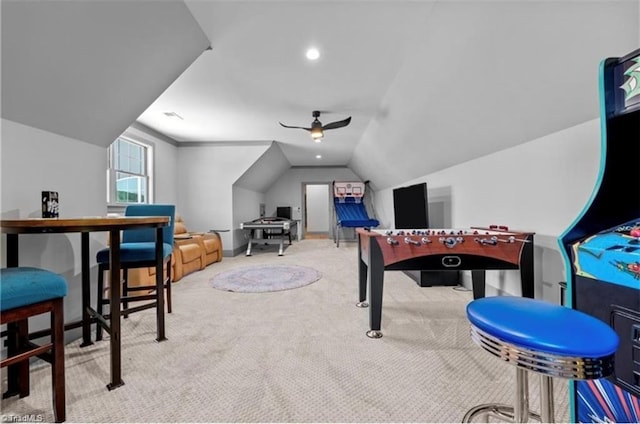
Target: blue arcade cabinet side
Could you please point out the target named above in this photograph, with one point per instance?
(601, 248)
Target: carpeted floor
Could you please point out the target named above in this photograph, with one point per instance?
(289, 356)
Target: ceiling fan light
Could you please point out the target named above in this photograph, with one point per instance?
(316, 134)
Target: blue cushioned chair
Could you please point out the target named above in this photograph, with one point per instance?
(27, 292)
(138, 250)
(544, 338)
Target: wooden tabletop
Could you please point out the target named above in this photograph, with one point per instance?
(80, 224)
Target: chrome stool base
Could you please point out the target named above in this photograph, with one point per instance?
(501, 412)
(519, 413)
(542, 338)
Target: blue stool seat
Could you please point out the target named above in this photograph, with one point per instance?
(545, 335)
(538, 336)
(26, 285)
(27, 292)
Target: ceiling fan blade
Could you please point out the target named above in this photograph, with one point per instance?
(289, 126)
(337, 124)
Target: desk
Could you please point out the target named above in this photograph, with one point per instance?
(475, 249)
(283, 227)
(85, 225)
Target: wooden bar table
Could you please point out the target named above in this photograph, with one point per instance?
(85, 225)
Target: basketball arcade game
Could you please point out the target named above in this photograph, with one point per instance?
(349, 207)
(601, 248)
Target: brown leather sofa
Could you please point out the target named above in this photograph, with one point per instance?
(191, 252)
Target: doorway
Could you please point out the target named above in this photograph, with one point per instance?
(317, 212)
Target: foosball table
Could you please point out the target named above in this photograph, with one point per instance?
(474, 249)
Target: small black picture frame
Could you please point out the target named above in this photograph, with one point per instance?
(50, 204)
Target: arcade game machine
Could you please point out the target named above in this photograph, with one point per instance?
(602, 248)
(349, 207)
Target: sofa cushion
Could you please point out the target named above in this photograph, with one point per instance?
(211, 244)
(190, 252)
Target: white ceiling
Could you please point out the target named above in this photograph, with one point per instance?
(428, 83)
(257, 75)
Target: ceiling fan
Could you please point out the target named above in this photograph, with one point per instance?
(317, 129)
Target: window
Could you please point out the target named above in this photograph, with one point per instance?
(129, 174)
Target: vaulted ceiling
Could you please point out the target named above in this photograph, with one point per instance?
(428, 84)
(87, 69)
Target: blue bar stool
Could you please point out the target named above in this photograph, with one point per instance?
(26, 292)
(541, 337)
(138, 250)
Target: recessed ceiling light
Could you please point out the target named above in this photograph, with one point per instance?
(318, 156)
(313, 53)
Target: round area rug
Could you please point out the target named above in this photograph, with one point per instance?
(265, 278)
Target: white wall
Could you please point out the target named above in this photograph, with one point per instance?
(34, 160)
(539, 186)
(207, 174)
(288, 189)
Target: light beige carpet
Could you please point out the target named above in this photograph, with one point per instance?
(299, 355)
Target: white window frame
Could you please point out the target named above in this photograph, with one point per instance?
(148, 173)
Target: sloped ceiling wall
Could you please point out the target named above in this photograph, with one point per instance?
(88, 69)
(265, 171)
(489, 75)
